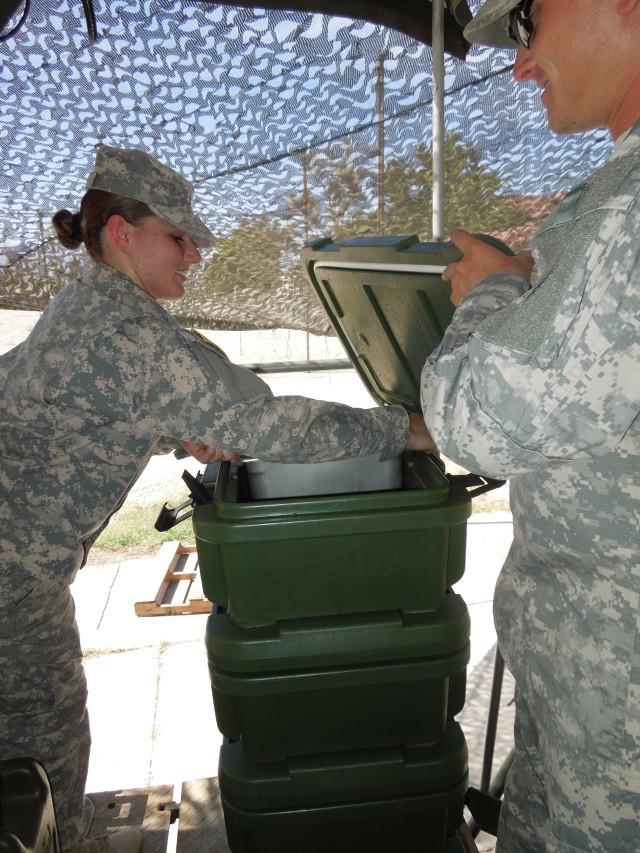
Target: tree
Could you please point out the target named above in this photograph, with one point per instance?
(471, 193)
(255, 254)
(254, 280)
(340, 194)
(337, 195)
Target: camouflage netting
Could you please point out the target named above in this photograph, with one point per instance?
(291, 125)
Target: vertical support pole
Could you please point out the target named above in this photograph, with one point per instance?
(44, 275)
(380, 105)
(304, 155)
(305, 208)
(437, 144)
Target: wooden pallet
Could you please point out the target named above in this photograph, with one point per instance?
(197, 816)
(180, 591)
(467, 839)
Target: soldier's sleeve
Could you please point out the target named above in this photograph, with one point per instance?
(172, 385)
(483, 300)
(211, 400)
(170, 445)
(503, 408)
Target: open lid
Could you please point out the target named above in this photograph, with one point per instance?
(388, 304)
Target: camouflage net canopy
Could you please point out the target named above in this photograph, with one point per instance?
(291, 125)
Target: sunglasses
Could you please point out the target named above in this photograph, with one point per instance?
(520, 24)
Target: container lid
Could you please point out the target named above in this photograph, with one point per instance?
(388, 304)
(330, 642)
(342, 777)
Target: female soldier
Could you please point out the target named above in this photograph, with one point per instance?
(105, 380)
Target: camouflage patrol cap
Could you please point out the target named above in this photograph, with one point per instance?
(490, 25)
(135, 174)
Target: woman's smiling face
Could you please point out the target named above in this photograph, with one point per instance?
(160, 257)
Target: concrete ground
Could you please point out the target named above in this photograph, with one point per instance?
(150, 705)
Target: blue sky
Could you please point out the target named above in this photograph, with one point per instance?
(225, 95)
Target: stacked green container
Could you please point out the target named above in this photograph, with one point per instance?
(292, 558)
(404, 799)
(334, 683)
(338, 655)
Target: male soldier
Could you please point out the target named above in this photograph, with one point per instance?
(540, 385)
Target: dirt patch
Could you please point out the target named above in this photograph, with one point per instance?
(105, 556)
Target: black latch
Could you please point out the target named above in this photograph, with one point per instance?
(198, 494)
(481, 484)
(485, 810)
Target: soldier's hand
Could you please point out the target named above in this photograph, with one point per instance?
(205, 453)
(479, 260)
(420, 438)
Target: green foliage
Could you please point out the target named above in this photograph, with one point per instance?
(259, 251)
(471, 198)
(344, 196)
(132, 527)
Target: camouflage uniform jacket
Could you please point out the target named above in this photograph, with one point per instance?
(87, 399)
(541, 386)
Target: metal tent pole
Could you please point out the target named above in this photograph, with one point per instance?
(437, 145)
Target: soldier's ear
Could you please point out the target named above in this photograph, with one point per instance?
(625, 7)
(119, 233)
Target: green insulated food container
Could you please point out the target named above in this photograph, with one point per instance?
(339, 683)
(405, 800)
(290, 558)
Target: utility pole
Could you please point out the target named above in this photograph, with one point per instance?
(304, 157)
(43, 254)
(380, 105)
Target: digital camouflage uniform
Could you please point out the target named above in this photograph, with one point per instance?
(105, 380)
(542, 387)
